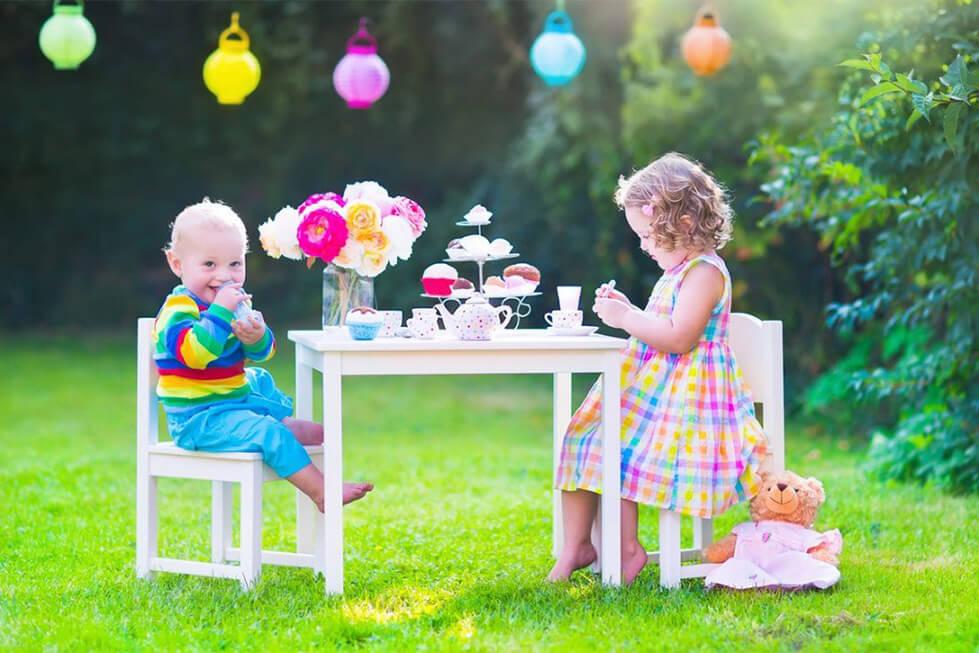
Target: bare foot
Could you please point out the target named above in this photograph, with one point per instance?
(633, 561)
(354, 491)
(572, 558)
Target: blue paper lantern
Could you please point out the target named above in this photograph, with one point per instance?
(557, 55)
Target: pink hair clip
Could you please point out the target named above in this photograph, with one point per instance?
(647, 209)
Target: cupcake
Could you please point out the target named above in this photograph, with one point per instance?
(478, 215)
(437, 279)
(455, 250)
(475, 245)
(494, 286)
(463, 288)
(500, 247)
(521, 279)
(364, 323)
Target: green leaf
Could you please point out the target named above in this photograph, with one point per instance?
(951, 123)
(860, 64)
(922, 104)
(876, 91)
(957, 75)
(974, 79)
(913, 118)
(910, 85)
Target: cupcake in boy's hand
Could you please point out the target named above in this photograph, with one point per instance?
(364, 323)
(438, 278)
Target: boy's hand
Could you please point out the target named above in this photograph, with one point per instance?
(230, 296)
(251, 329)
(611, 311)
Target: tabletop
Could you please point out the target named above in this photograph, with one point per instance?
(339, 340)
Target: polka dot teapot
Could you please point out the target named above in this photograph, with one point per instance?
(476, 319)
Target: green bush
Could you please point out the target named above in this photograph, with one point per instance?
(890, 188)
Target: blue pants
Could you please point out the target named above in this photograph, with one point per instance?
(253, 423)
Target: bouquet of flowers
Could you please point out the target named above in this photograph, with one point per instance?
(364, 230)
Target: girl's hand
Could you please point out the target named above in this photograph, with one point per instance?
(251, 329)
(611, 311)
(605, 292)
(230, 296)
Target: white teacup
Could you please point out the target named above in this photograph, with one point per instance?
(564, 319)
(392, 323)
(421, 328)
(568, 297)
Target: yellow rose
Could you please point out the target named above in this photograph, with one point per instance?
(375, 241)
(362, 217)
(372, 264)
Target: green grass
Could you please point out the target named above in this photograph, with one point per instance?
(448, 553)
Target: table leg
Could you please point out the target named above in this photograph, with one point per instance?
(611, 549)
(305, 509)
(562, 417)
(333, 472)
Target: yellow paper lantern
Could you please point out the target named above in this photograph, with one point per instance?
(232, 71)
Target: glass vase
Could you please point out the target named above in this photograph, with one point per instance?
(344, 289)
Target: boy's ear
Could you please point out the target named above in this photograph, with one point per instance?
(173, 262)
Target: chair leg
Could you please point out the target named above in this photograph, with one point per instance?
(221, 505)
(304, 523)
(703, 532)
(251, 526)
(669, 549)
(147, 523)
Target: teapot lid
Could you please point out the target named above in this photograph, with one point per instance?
(477, 298)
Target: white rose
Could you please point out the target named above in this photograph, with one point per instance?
(398, 231)
(370, 191)
(351, 255)
(372, 264)
(279, 235)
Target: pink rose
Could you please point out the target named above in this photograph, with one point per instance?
(410, 211)
(320, 197)
(322, 233)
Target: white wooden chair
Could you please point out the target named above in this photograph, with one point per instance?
(757, 347)
(155, 459)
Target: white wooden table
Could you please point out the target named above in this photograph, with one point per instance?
(526, 351)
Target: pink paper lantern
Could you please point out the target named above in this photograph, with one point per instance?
(361, 77)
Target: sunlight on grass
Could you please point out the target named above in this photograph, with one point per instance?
(448, 553)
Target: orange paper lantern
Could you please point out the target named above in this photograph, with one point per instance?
(706, 46)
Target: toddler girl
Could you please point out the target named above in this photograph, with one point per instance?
(212, 401)
(690, 440)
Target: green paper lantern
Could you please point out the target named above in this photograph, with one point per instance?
(67, 38)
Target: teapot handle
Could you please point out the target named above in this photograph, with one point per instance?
(509, 314)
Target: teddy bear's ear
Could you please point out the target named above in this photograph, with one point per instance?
(817, 487)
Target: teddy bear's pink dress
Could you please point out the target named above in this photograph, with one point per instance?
(772, 554)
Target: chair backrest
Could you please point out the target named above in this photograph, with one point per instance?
(757, 346)
(147, 409)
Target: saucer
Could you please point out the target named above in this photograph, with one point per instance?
(572, 331)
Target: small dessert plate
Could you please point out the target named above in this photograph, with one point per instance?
(572, 331)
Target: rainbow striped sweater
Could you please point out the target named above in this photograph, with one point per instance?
(200, 360)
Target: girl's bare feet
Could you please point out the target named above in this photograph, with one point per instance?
(634, 558)
(572, 559)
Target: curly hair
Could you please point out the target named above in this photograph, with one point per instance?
(214, 215)
(672, 187)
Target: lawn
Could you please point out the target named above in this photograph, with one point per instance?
(448, 553)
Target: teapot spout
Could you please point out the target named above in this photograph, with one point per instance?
(447, 318)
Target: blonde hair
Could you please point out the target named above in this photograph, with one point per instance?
(212, 215)
(672, 187)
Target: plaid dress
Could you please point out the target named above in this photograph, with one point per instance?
(690, 440)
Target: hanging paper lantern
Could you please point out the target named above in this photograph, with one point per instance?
(706, 46)
(557, 54)
(361, 77)
(232, 72)
(67, 38)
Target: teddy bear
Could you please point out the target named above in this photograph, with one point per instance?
(778, 549)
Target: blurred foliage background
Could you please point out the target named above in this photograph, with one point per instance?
(840, 202)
